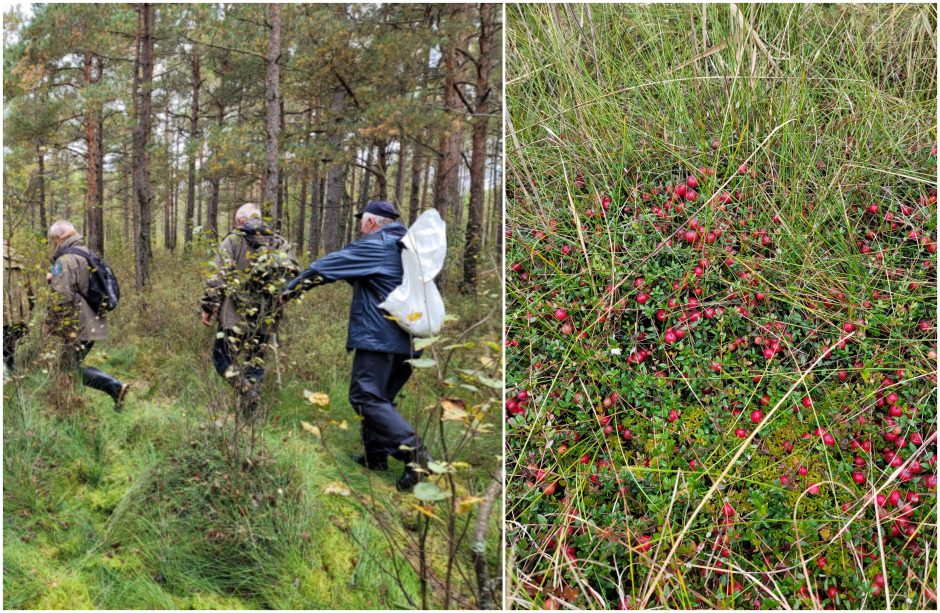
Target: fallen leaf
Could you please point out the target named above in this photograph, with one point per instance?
(308, 427)
(336, 488)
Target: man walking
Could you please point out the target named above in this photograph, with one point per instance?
(250, 267)
(18, 301)
(70, 316)
(372, 265)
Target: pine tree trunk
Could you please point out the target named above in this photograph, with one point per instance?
(382, 177)
(446, 179)
(143, 251)
(41, 158)
(360, 201)
(94, 232)
(272, 124)
(414, 195)
(212, 207)
(400, 173)
(126, 188)
(316, 207)
(304, 177)
(478, 160)
(99, 193)
(168, 180)
(335, 177)
(194, 138)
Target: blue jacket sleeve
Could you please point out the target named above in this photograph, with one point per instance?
(359, 259)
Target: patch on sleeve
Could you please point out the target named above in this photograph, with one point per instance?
(57, 268)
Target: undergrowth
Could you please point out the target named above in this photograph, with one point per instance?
(143, 509)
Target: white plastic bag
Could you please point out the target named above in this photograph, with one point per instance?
(416, 304)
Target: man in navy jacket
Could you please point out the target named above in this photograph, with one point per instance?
(372, 265)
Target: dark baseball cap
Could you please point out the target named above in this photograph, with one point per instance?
(381, 208)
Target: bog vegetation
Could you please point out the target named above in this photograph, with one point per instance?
(148, 126)
(721, 299)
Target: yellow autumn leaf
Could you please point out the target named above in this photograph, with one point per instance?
(465, 504)
(308, 427)
(317, 398)
(426, 511)
(415, 316)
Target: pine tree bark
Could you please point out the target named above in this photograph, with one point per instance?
(143, 251)
(478, 160)
(94, 231)
(272, 97)
(168, 180)
(382, 177)
(414, 195)
(193, 138)
(41, 158)
(447, 173)
(212, 207)
(363, 196)
(304, 177)
(400, 173)
(316, 207)
(335, 177)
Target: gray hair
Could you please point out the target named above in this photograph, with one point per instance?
(61, 228)
(378, 219)
(246, 212)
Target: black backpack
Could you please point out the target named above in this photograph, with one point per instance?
(104, 293)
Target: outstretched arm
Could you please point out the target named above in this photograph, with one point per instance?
(359, 259)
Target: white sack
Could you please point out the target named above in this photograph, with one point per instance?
(416, 304)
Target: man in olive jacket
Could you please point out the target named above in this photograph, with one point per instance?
(372, 265)
(250, 266)
(70, 317)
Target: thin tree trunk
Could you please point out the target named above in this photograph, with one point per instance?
(194, 138)
(316, 204)
(272, 97)
(335, 176)
(168, 180)
(400, 173)
(212, 207)
(285, 204)
(365, 186)
(304, 177)
(199, 191)
(99, 193)
(143, 251)
(127, 200)
(43, 222)
(426, 182)
(446, 177)
(415, 192)
(176, 191)
(94, 232)
(478, 159)
(382, 177)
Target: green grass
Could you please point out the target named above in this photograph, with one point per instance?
(141, 510)
(831, 108)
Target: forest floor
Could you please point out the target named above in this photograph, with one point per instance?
(721, 306)
(141, 509)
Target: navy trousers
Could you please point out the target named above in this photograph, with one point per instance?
(91, 377)
(377, 378)
(225, 353)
